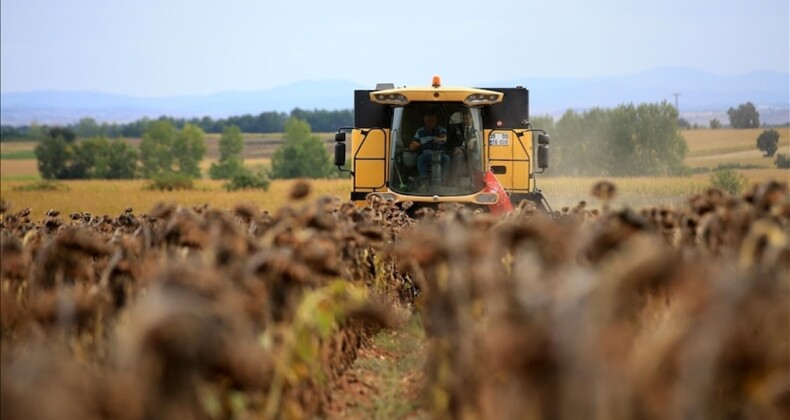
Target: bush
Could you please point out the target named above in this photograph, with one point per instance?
(170, 181)
(729, 165)
(43, 185)
(225, 169)
(246, 179)
(782, 161)
(728, 180)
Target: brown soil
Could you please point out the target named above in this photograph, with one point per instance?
(385, 381)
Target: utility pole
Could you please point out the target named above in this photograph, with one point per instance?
(677, 108)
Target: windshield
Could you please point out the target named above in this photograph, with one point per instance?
(437, 149)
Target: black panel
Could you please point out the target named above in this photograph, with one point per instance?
(499, 169)
(359, 195)
(513, 111)
(368, 114)
(535, 197)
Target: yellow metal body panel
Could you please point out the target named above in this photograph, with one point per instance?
(431, 94)
(511, 150)
(370, 163)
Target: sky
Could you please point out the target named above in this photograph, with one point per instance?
(153, 48)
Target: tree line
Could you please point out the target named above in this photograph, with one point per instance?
(320, 120)
(630, 140)
(170, 156)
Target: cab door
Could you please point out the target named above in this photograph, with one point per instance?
(369, 143)
(369, 151)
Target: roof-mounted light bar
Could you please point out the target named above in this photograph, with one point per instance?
(477, 99)
(390, 98)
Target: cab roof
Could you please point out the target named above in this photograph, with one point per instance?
(435, 94)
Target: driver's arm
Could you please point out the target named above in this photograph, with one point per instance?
(415, 142)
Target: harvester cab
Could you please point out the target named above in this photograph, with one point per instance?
(429, 145)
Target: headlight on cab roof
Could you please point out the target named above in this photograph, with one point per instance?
(481, 99)
(391, 98)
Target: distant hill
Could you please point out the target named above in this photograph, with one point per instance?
(699, 91)
(702, 96)
(67, 107)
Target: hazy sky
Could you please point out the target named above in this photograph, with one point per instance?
(166, 47)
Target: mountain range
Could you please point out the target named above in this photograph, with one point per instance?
(701, 96)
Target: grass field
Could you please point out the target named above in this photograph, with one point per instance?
(707, 149)
(707, 142)
(112, 197)
(18, 170)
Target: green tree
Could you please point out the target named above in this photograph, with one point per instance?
(782, 161)
(545, 122)
(90, 159)
(745, 116)
(579, 146)
(715, 124)
(768, 142)
(303, 155)
(188, 150)
(156, 149)
(87, 127)
(36, 132)
(121, 161)
(68, 134)
(94, 158)
(231, 147)
(53, 155)
(627, 141)
(645, 140)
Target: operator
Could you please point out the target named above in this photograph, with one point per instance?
(464, 150)
(427, 139)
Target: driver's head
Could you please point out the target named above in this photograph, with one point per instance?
(429, 120)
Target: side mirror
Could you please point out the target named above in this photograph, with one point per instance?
(340, 151)
(543, 151)
(340, 137)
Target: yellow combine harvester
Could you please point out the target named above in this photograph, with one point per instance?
(430, 145)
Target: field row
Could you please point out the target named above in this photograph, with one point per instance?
(102, 197)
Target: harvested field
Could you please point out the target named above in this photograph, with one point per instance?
(303, 312)
(712, 142)
(190, 312)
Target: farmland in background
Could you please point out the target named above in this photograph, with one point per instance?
(707, 149)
